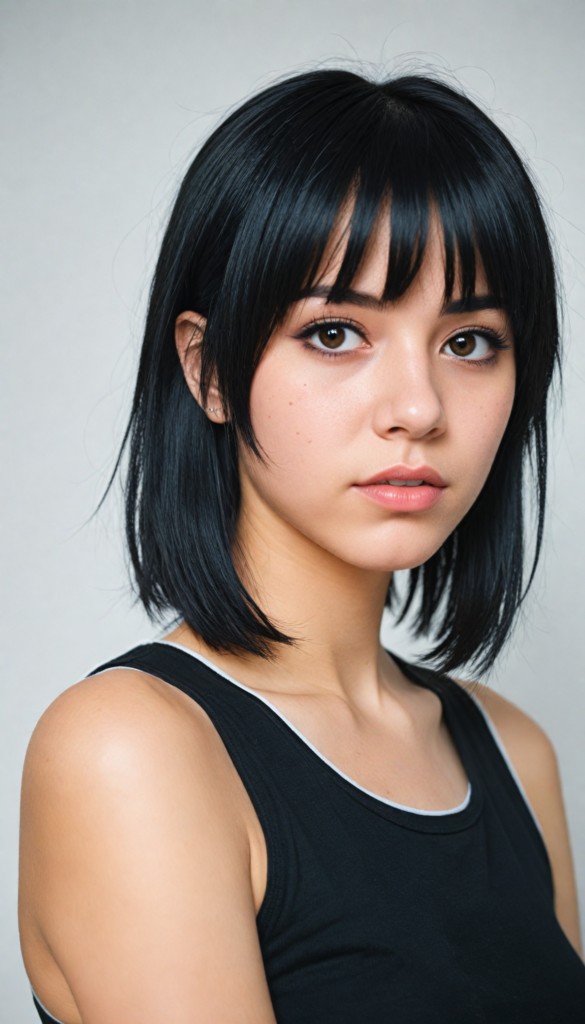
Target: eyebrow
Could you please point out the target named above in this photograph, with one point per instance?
(473, 303)
(469, 304)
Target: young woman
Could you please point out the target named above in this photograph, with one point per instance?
(266, 817)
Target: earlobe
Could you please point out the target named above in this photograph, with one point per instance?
(189, 330)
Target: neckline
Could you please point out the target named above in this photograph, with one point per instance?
(404, 808)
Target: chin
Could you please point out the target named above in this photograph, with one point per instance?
(394, 555)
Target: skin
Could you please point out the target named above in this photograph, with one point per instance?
(143, 861)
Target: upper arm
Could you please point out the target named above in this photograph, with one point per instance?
(534, 760)
(136, 859)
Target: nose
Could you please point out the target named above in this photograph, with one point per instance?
(408, 399)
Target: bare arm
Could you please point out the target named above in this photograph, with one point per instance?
(533, 757)
(137, 846)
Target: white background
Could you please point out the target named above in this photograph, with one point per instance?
(102, 103)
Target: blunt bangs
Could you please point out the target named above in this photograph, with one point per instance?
(246, 238)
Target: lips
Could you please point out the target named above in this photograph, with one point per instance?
(406, 474)
(404, 488)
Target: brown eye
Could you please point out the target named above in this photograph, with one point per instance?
(335, 337)
(469, 345)
(331, 337)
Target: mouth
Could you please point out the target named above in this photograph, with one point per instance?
(404, 489)
(402, 483)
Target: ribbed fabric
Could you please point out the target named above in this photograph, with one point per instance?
(374, 914)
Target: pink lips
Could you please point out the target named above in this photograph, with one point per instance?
(404, 488)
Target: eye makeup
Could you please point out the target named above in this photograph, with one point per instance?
(334, 334)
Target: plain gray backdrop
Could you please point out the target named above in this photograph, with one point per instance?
(102, 103)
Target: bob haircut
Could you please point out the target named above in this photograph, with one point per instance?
(245, 239)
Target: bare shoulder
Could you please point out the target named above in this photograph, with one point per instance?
(123, 730)
(136, 858)
(534, 760)
(106, 721)
(526, 743)
(530, 751)
(123, 738)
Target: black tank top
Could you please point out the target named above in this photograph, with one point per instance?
(377, 914)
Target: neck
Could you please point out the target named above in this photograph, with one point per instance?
(331, 609)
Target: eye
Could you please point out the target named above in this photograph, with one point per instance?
(469, 345)
(335, 338)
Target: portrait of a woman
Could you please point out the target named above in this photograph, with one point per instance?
(265, 817)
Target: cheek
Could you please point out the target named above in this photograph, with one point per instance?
(314, 424)
(304, 425)
(480, 426)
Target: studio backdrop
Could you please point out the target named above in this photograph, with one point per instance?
(103, 104)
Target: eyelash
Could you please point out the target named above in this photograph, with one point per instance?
(497, 339)
(314, 326)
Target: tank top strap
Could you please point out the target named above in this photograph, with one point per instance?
(480, 745)
(247, 725)
(268, 758)
(272, 760)
(374, 910)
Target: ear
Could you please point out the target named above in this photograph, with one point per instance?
(189, 330)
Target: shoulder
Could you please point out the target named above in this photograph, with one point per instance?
(534, 760)
(140, 870)
(120, 740)
(528, 748)
(525, 742)
(120, 718)
(119, 766)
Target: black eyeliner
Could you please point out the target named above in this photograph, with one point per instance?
(496, 338)
(315, 325)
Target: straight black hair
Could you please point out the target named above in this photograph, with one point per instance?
(245, 238)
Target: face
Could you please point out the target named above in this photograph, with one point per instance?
(379, 423)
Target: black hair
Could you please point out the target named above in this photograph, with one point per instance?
(245, 237)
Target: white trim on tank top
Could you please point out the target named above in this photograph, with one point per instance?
(500, 745)
(490, 724)
(44, 1008)
(401, 807)
(293, 728)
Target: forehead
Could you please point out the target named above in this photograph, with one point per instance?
(371, 277)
